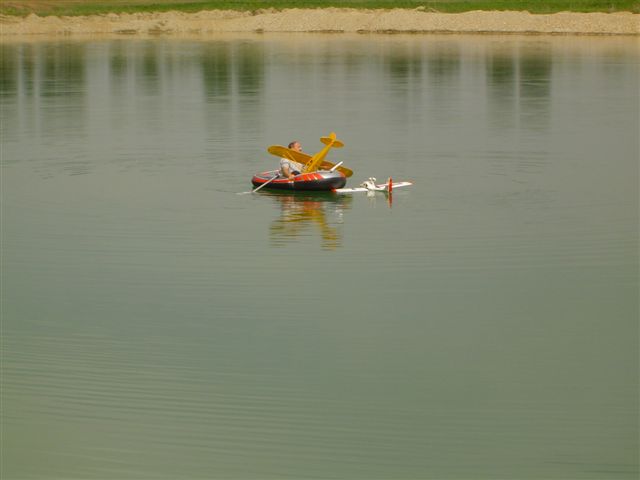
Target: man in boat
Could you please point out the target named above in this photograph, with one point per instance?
(289, 168)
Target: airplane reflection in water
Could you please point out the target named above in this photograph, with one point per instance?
(304, 212)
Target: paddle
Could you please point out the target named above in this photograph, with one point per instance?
(266, 183)
(335, 166)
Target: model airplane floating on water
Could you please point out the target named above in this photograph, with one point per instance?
(317, 173)
(370, 186)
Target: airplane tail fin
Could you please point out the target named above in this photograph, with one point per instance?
(332, 140)
(318, 158)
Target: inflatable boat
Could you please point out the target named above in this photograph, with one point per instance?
(316, 181)
(317, 173)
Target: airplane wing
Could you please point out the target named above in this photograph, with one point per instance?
(303, 158)
(284, 152)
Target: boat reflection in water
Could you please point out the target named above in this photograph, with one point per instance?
(305, 213)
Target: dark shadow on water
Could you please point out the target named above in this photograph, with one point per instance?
(118, 65)
(54, 70)
(304, 214)
(444, 63)
(249, 63)
(502, 93)
(403, 65)
(148, 69)
(9, 65)
(535, 85)
(518, 83)
(216, 71)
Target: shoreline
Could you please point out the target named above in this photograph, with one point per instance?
(327, 20)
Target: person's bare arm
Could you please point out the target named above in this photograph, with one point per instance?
(287, 173)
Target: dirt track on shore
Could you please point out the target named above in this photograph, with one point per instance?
(326, 20)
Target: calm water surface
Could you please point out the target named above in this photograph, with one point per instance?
(480, 324)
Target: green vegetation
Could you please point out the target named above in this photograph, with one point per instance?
(89, 7)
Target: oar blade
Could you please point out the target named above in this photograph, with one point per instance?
(326, 165)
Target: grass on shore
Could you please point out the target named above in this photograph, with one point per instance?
(96, 7)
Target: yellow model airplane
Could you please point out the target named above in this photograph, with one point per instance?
(315, 162)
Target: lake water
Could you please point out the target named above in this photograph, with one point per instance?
(482, 323)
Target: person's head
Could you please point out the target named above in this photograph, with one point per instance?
(295, 145)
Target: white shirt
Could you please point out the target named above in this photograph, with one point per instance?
(291, 165)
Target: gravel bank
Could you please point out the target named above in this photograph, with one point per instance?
(326, 20)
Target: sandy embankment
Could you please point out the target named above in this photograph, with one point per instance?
(326, 20)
